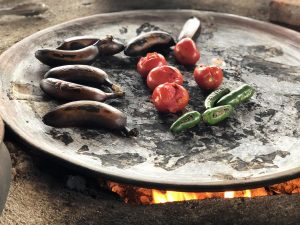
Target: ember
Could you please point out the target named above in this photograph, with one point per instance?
(138, 195)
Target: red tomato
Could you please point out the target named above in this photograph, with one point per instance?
(186, 52)
(149, 62)
(208, 77)
(164, 74)
(170, 97)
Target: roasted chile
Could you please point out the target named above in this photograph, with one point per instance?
(110, 46)
(83, 74)
(158, 41)
(55, 57)
(90, 114)
(68, 91)
(77, 42)
(107, 46)
(191, 29)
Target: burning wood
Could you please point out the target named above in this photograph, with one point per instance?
(144, 196)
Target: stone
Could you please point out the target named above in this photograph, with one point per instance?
(285, 11)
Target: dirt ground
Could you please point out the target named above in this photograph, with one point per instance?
(46, 193)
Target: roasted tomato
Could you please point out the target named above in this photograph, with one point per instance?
(186, 52)
(164, 74)
(170, 97)
(208, 77)
(152, 60)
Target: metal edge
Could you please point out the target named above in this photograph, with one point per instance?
(191, 186)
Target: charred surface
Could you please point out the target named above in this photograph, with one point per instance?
(260, 138)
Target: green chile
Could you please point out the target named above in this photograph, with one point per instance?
(217, 114)
(186, 121)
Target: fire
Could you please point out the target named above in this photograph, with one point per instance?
(229, 194)
(174, 196)
(138, 195)
(171, 196)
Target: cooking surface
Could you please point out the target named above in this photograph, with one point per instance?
(258, 143)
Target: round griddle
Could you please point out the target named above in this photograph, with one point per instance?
(259, 144)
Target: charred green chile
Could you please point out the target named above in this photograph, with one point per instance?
(213, 97)
(217, 114)
(238, 96)
(186, 121)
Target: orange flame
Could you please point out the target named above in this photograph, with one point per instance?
(174, 196)
(138, 195)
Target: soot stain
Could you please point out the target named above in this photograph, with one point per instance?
(122, 160)
(259, 65)
(115, 62)
(267, 113)
(83, 148)
(259, 162)
(64, 137)
(203, 143)
(90, 108)
(89, 134)
(297, 106)
(146, 27)
(123, 30)
(265, 51)
(224, 176)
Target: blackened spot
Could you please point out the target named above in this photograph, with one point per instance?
(258, 119)
(248, 132)
(260, 161)
(270, 157)
(65, 137)
(281, 71)
(146, 27)
(265, 51)
(268, 113)
(123, 30)
(277, 122)
(90, 108)
(297, 106)
(64, 56)
(264, 140)
(89, 134)
(123, 160)
(84, 148)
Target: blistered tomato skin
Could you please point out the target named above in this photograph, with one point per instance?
(164, 74)
(170, 97)
(208, 77)
(186, 52)
(150, 61)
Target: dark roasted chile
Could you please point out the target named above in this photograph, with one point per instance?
(110, 46)
(78, 42)
(83, 74)
(68, 91)
(191, 29)
(158, 41)
(55, 57)
(107, 46)
(90, 114)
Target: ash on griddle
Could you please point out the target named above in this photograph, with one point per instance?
(65, 137)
